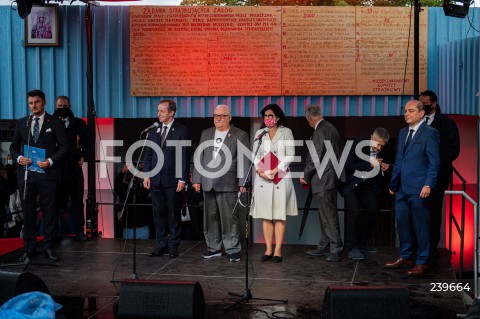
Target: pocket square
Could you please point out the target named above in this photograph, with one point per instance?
(48, 130)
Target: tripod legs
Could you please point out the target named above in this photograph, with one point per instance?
(246, 296)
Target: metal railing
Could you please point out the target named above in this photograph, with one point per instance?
(460, 229)
(475, 215)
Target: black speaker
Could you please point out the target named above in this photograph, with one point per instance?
(366, 302)
(456, 8)
(13, 284)
(161, 299)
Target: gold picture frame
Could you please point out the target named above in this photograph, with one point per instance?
(41, 26)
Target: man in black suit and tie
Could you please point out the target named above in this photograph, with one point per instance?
(170, 180)
(449, 150)
(81, 149)
(44, 131)
(364, 168)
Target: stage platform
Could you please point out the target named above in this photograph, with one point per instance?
(82, 280)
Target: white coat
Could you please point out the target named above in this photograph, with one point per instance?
(275, 201)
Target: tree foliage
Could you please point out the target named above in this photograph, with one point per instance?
(377, 3)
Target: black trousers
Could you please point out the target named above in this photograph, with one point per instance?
(72, 188)
(357, 234)
(37, 184)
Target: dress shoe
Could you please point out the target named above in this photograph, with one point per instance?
(81, 237)
(173, 253)
(26, 257)
(419, 270)
(265, 258)
(399, 263)
(277, 259)
(316, 252)
(333, 257)
(50, 254)
(158, 252)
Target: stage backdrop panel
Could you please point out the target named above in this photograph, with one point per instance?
(205, 51)
(261, 51)
(381, 50)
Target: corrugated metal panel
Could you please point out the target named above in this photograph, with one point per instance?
(459, 82)
(61, 70)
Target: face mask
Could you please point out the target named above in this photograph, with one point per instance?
(63, 112)
(10, 162)
(270, 122)
(427, 108)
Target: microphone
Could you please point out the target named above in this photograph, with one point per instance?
(29, 122)
(265, 131)
(154, 125)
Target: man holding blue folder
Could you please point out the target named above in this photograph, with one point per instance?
(44, 135)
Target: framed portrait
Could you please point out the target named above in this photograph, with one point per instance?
(41, 26)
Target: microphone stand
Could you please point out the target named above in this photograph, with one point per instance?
(246, 295)
(131, 186)
(25, 177)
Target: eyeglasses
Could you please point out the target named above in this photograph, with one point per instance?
(220, 116)
(269, 116)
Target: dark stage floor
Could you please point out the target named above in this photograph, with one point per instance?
(81, 281)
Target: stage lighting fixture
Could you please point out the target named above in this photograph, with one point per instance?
(456, 8)
(24, 7)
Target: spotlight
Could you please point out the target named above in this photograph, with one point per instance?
(24, 8)
(456, 8)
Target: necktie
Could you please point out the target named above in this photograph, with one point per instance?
(409, 138)
(163, 137)
(426, 119)
(36, 129)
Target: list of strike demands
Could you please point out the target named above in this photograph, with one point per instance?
(206, 51)
(381, 57)
(261, 51)
(318, 50)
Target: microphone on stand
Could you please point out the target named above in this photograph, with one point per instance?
(29, 122)
(154, 125)
(265, 131)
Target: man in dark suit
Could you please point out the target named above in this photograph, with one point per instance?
(170, 180)
(324, 182)
(414, 176)
(449, 150)
(40, 130)
(72, 183)
(364, 168)
(221, 224)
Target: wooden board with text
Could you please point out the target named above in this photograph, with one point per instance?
(268, 51)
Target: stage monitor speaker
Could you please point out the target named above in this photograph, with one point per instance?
(13, 284)
(161, 299)
(456, 8)
(366, 302)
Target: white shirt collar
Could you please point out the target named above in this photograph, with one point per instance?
(430, 118)
(317, 124)
(169, 125)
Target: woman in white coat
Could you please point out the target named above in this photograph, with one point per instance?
(273, 191)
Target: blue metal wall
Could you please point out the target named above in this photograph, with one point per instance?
(61, 71)
(459, 72)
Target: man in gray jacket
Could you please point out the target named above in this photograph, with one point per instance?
(220, 181)
(324, 181)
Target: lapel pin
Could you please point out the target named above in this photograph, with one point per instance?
(158, 130)
(173, 129)
(229, 135)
